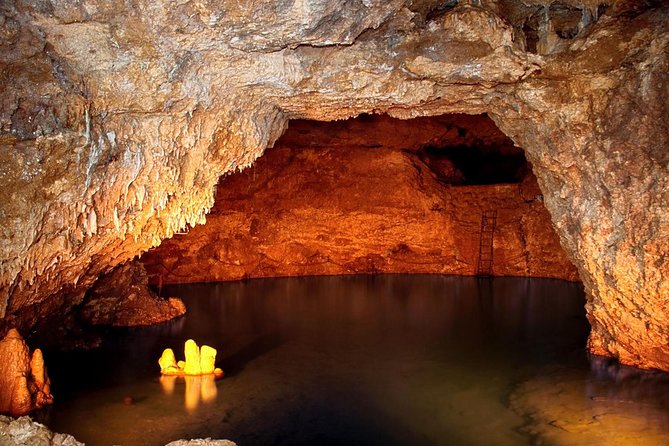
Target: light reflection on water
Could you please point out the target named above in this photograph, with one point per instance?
(421, 360)
(198, 389)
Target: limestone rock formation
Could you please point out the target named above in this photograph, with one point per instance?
(24, 384)
(168, 362)
(323, 203)
(25, 432)
(123, 298)
(118, 118)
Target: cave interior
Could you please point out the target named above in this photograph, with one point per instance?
(400, 216)
(368, 195)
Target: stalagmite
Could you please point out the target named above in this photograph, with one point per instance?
(192, 355)
(168, 363)
(199, 361)
(24, 384)
(207, 359)
(42, 384)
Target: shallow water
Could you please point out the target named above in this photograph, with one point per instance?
(365, 360)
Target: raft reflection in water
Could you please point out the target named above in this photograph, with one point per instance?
(200, 388)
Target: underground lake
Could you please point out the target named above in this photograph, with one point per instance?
(368, 360)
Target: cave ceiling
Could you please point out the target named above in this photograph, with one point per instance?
(117, 119)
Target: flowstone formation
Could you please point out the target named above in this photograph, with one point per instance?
(24, 384)
(117, 119)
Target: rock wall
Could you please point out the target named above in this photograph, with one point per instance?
(321, 203)
(117, 119)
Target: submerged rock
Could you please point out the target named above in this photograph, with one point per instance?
(24, 384)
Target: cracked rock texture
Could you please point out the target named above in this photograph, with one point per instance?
(117, 119)
(322, 203)
(26, 432)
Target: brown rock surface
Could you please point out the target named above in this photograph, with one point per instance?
(319, 203)
(24, 385)
(117, 119)
(123, 298)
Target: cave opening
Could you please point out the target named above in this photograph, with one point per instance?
(369, 195)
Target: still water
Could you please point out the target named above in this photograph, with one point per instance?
(365, 360)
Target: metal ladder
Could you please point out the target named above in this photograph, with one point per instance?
(488, 222)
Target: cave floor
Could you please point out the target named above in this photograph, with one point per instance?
(386, 359)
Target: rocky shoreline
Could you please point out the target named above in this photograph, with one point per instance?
(24, 431)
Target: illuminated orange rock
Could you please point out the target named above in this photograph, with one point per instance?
(323, 202)
(42, 383)
(192, 354)
(197, 370)
(207, 359)
(168, 363)
(199, 361)
(24, 385)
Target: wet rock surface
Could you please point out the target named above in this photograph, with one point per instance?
(25, 432)
(320, 204)
(122, 298)
(117, 120)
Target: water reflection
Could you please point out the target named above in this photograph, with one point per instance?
(618, 383)
(390, 360)
(201, 388)
(607, 405)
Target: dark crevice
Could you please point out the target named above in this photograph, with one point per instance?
(441, 9)
(478, 165)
